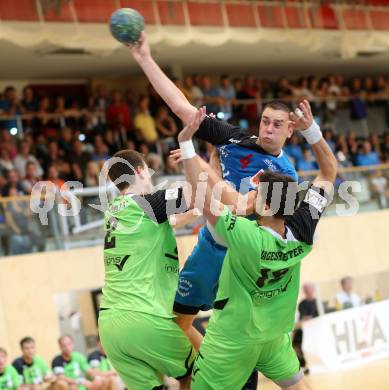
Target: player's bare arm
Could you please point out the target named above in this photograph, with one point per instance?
(169, 92)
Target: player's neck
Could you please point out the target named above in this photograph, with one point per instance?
(276, 224)
(28, 359)
(275, 151)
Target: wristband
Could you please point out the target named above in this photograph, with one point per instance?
(313, 134)
(187, 150)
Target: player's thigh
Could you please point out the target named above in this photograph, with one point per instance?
(221, 364)
(158, 341)
(278, 361)
(121, 335)
(199, 278)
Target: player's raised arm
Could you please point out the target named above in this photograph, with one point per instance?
(325, 158)
(214, 131)
(194, 167)
(169, 92)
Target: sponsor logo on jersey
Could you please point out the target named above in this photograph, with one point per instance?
(282, 256)
(270, 164)
(231, 226)
(184, 287)
(259, 295)
(171, 193)
(234, 141)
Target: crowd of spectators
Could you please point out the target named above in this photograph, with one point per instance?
(60, 138)
(70, 370)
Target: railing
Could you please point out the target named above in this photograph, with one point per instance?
(70, 219)
(259, 102)
(361, 15)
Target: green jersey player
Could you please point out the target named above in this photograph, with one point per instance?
(136, 325)
(9, 377)
(258, 288)
(32, 369)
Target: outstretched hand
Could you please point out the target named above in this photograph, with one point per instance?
(190, 129)
(141, 49)
(305, 121)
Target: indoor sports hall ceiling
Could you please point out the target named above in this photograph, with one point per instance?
(47, 61)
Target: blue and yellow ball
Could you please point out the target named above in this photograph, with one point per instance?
(126, 25)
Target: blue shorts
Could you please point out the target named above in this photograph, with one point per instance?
(199, 278)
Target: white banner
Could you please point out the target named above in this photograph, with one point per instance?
(347, 338)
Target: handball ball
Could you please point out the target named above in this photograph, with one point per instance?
(126, 25)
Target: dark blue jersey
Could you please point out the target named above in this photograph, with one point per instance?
(239, 154)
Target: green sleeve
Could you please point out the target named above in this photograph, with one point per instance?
(16, 380)
(237, 232)
(83, 363)
(44, 367)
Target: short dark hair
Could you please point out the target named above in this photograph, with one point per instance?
(282, 189)
(132, 160)
(278, 105)
(26, 340)
(65, 336)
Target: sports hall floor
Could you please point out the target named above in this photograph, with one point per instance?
(373, 376)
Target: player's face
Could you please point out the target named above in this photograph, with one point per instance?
(274, 129)
(3, 360)
(66, 346)
(28, 350)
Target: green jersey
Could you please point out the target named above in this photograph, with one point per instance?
(140, 253)
(9, 379)
(259, 283)
(98, 360)
(34, 373)
(75, 368)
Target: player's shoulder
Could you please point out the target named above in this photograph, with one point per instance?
(18, 363)
(78, 356)
(58, 361)
(95, 355)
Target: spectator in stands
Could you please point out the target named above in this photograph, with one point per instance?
(155, 101)
(293, 148)
(101, 99)
(7, 142)
(31, 368)
(345, 298)
(44, 121)
(302, 90)
(145, 124)
(307, 309)
(53, 176)
(284, 90)
(240, 94)
(101, 151)
(379, 189)
(23, 157)
(153, 160)
(9, 378)
(32, 177)
(6, 163)
(358, 104)
(375, 143)
(385, 146)
(195, 93)
(72, 368)
(10, 106)
(17, 214)
(92, 174)
(328, 135)
(307, 163)
(252, 91)
(342, 152)
(211, 95)
(167, 129)
(65, 141)
(80, 157)
(102, 367)
(227, 93)
(366, 156)
(29, 102)
(118, 114)
(13, 182)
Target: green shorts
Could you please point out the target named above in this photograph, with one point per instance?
(142, 348)
(222, 364)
